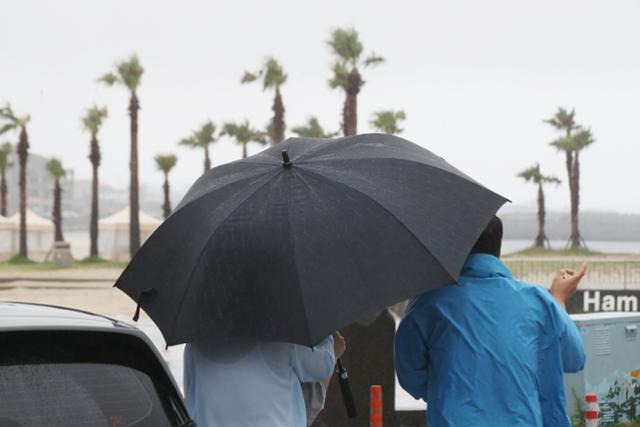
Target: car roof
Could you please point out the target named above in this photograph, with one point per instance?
(18, 315)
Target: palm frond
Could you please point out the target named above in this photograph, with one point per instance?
(24, 120)
(8, 127)
(249, 77)
(388, 121)
(7, 113)
(130, 72)
(14, 122)
(531, 174)
(563, 144)
(205, 135)
(244, 133)
(93, 118)
(54, 166)
(201, 137)
(340, 76)
(551, 179)
(274, 75)
(5, 151)
(188, 142)
(312, 129)
(345, 44)
(373, 59)
(582, 139)
(563, 119)
(109, 79)
(165, 162)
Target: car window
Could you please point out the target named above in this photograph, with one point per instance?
(78, 394)
(81, 378)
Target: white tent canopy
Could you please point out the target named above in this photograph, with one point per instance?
(113, 239)
(34, 221)
(40, 233)
(7, 235)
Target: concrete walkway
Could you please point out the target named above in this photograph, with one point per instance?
(62, 278)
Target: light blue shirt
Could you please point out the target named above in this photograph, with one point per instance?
(252, 384)
(489, 352)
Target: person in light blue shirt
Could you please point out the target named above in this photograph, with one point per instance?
(253, 384)
(490, 351)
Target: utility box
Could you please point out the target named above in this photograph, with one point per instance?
(612, 368)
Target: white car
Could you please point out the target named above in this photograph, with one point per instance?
(63, 367)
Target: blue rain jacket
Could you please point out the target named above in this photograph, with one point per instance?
(489, 352)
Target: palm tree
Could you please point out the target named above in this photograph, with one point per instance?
(5, 150)
(54, 166)
(164, 163)
(388, 121)
(14, 122)
(273, 77)
(202, 138)
(347, 49)
(574, 140)
(92, 121)
(128, 73)
(243, 133)
(312, 129)
(534, 175)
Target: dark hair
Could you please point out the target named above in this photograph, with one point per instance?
(490, 241)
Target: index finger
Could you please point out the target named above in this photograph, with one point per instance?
(583, 270)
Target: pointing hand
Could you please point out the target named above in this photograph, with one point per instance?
(565, 283)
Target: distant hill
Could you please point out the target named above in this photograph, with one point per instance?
(607, 226)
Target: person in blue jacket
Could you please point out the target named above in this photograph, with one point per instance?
(490, 351)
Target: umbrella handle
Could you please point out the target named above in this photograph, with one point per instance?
(345, 387)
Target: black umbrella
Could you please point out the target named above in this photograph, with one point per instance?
(305, 238)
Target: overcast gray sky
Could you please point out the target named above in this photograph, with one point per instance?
(476, 79)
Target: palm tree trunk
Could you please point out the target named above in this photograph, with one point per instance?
(94, 157)
(540, 238)
(207, 160)
(278, 118)
(166, 206)
(3, 193)
(354, 82)
(244, 150)
(575, 238)
(345, 117)
(134, 208)
(23, 153)
(569, 166)
(57, 211)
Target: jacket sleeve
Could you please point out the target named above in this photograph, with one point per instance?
(314, 364)
(571, 344)
(314, 396)
(411, 358)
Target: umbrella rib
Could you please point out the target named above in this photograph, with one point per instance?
(295, 259)
(453, 276)
(186, 291)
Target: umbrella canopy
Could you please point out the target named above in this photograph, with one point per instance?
(307, 237)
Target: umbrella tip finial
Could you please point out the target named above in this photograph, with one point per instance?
(285, 159)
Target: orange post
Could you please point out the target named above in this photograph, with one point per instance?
(376, 406)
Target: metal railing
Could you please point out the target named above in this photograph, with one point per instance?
(618, 272)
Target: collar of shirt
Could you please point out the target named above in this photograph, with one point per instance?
(485, 265)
